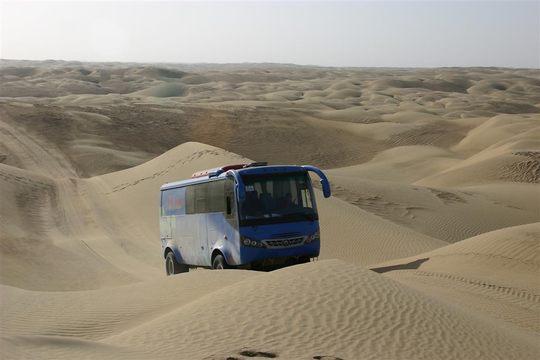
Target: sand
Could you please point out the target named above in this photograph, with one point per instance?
(430, 244)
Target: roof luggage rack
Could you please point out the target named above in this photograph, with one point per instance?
(255, 164)
(216, 171)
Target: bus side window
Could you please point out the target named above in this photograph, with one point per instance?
(173, 202)
(201, 198)
(205, 198)
(216, 196)
(190, 199)
(162, 203)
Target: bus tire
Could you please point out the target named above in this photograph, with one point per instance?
(219, 263)
(172, 266)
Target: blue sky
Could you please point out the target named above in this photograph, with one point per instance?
(354, 33)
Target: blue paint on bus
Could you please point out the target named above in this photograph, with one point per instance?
(251, 214)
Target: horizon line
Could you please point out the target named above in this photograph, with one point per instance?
(272, 63)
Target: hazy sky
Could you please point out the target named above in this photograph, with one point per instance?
(367, 33)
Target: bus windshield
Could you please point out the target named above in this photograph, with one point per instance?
(277, 198)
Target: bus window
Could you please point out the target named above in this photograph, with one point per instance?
(190, 199)
(216, 196)
(173, 202)
(277, 198)
(205, 198)
(201, 198)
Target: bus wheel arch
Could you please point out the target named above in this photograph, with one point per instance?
(167, 251)
(172, 266)
(218, 261)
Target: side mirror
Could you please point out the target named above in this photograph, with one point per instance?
(324, 180)
(326, 188)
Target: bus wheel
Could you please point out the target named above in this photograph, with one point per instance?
(219, 263)
(172, 266)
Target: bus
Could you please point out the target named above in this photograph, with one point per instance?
(248, 216)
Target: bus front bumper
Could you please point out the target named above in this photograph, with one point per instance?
(257, 256)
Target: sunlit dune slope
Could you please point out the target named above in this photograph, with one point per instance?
(355, 235)
(329, 308)
(333, 309)
(494, 273)
(96, 314)
(325, 308)
(514, 159)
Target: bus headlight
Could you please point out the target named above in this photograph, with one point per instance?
(313, 237)
(250, 242)
(246, 241)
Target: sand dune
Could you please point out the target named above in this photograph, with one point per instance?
(414, 162)
(495, 273)
(305, 334)
(97, 314)
(135, 190)
(162, 90)
(496, 129)
(443, 213)
(46, 230)
(112, 220)
(435, 179)
(313, 326)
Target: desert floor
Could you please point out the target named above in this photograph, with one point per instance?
(430, 243)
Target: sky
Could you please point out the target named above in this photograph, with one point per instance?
(354, 33)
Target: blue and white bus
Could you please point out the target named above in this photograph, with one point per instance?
(250, 216)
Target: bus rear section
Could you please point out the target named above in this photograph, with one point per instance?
(247, 216)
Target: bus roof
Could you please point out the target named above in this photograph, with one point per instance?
(206, 176)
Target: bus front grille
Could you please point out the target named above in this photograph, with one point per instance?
(283, 243)
(282, 236)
